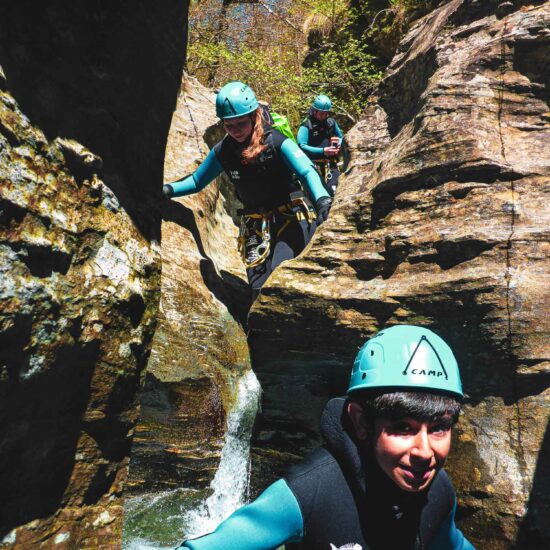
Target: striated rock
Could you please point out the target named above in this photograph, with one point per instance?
(86, 94)
(199, 348)
(441, 221)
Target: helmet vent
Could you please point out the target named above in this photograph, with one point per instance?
(364, 376)
(371, 352)
(431, 347)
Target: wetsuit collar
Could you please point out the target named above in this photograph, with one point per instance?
(337, 430)
(239, 146)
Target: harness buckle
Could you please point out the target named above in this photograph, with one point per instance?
(254, 238)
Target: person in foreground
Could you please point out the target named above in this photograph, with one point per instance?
(378, 483)
(277, 221)
(320, 137)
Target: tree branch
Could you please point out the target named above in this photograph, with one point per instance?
(342, 111)
(371, 27)
(290, 23)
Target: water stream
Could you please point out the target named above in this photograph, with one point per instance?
(160, 521)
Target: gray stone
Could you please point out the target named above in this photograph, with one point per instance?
(79, 255)
(442, 221)
(199, 348)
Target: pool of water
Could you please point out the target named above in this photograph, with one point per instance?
(163, 520)
(156, 521)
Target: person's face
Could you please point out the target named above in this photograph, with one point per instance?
(319, 115)
(239, 128)
(409, 451)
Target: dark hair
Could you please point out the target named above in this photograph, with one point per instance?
(423, 406)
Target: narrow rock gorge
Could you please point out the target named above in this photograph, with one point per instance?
(200, 348)
(442, 220)
(87, 92)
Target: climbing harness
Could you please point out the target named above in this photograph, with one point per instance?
(254, 241)
(254, 238)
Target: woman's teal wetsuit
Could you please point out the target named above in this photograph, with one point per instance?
(336, 499)
(264, 186)
(292, 156)
(313, 136)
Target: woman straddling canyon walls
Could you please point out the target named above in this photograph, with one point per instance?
(277, 220)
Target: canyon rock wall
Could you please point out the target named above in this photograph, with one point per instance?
(200, 348)
(442, 220)
(87, 91)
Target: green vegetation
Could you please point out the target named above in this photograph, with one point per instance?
(291, 50)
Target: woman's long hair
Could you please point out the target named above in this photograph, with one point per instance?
(256, 141)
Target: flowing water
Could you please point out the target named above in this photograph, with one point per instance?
(161, 521)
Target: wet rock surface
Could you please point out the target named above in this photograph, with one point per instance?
(200, 348)
(441, 221)
(86, 94)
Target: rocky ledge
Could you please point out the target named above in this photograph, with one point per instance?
(442, 221)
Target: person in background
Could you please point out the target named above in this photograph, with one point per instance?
(320, 137)
(277, 220)
(378, 482)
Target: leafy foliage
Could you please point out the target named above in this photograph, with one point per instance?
(346, 71)
(291, 50)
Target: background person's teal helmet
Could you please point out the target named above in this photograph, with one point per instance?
(322, 103)
(235, 99)
(405, 358)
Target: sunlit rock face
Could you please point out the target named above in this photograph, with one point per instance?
(442, 221)
(199, 348)
(86, 96)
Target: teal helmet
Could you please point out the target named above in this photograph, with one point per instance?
(235, 99)
(405, 358)
(322, 103)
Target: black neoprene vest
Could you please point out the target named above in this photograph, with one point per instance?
(265, 183)
(320, 132)
(341, 506)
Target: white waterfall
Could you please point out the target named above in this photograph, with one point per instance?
(155, 521)
(230, 483)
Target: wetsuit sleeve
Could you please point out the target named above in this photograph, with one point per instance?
(302, 138)
(202, 176)
(338, 132)
(302, 166)
(274, 518)
(449, 537)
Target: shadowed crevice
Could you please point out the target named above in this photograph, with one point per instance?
(534, 531)
(77, 72)
(40, 435)
(453, 253)
(410, 81)
(229, 289)
(445, 254)
(531, 60)
(42, 261)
